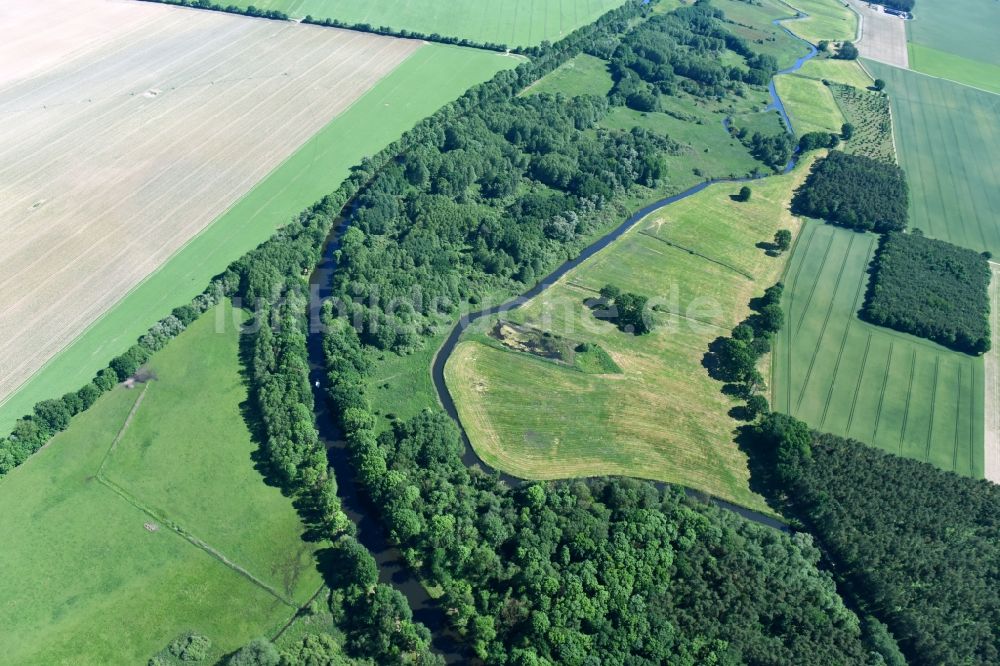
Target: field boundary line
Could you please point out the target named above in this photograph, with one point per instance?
(826, 319)
(121, 431)
(183, 533)
(193, 540)
(677, 246)
(857, 387)
(930, 424)
(909, 396)
(297, 612)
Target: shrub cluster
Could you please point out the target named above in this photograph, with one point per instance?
(856, 192)
(932, 289)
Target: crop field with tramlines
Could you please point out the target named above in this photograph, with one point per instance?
(843, 376)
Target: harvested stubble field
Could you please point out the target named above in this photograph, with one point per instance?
(117, 157)
(95, 569)
(883, 36)
(844, 376)
(662, 418)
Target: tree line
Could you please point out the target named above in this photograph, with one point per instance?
(855, 191)
(932, 289)
(249, 10)
(916, 546)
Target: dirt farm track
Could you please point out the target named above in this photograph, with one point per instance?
(122, 139)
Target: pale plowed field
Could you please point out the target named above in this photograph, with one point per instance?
(117, 154)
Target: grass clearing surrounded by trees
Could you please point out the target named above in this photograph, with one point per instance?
(844, 376)
(582, 75)
(948, 137)
(663, 418)
(434, 75)
(91, 577)
(809, 104)
(513, 22)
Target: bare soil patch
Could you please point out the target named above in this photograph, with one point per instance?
(883, 36)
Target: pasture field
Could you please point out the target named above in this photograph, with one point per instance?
(512, 22)
(809, 104)
(966, 28)
(753, 22)
(975, 73)
(662, 418)
(841, 375)
(828, 19)
(94, 571)
(431, 77)
(582, 75)
(947, 137)
(848, 72)
(113, 160)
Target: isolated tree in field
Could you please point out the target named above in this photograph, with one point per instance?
(879, 84)
(823, 46)
(846, 131)
(783, 240)
(745, 194)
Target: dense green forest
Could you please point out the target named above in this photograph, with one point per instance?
(933, 289)
(917, 546)
(855, 191)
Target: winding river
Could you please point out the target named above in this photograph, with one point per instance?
(392, 568)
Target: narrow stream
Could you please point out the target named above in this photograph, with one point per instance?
(370, 533)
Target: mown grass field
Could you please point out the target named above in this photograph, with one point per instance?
(975, 73)
(948, 137)
(431, 77)
(848, 72)
(809, 104)
(85, 581)
(966, 28)
(663, 418)
(582, 75)
(841, 375)
(513, 22)
(828, 19)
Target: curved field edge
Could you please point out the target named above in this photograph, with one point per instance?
(658, 421)
(129, 528)
(432, 77)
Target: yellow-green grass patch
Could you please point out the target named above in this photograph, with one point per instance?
(809, 104)
(92, 577)
(582, 75)
(830, 20)
(850, 378)
(848, 72)
(662, 418)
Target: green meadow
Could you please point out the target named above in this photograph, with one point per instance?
(848, 72)
(847, 377)
(809, 104)
(975, 73)
(512, 22)
(752, 22)
(948, 138)
(831, 20)
(661, 417)
(430, 78)
(115, 534)
(582, 75)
